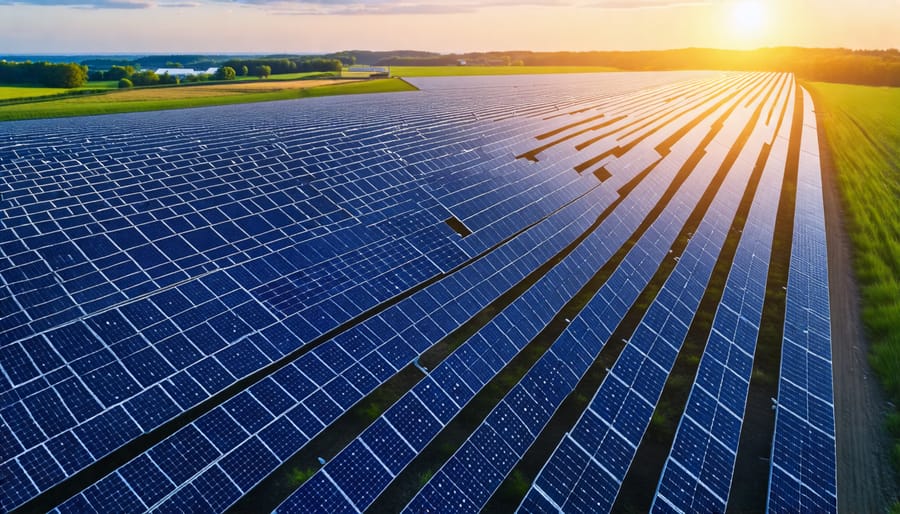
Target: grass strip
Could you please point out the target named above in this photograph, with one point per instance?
(114, 104)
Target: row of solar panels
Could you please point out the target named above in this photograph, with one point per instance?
(82, 390)
(270, 422)
(580, 344)
(325, 491)
(804, 470)
(593, 204)
(174, 303)
(697, 474)
(603, 442)
(456, 484)
(218, 219)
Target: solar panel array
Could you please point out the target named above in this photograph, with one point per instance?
(697, 475)
(804, 470)
(458, 378)
(242, 288)
(587, 469)
(247, 223)
(539, 394)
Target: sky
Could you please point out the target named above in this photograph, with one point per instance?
(314, 26)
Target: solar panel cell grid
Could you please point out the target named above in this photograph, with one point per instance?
(301, 209)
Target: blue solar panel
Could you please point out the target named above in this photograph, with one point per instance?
(697, 474)
(614, 449)
(804, 473)
(610, 431)
(531, 404)
(192, 261)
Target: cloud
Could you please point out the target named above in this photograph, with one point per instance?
(314, 7)
(354, 9)
(85, 4)
(642, 4)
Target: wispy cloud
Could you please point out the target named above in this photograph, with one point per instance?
(642, 4)
(308, 7)
(365, 9)
(384, 7)
(85, 4)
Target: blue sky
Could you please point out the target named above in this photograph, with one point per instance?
(221, 26)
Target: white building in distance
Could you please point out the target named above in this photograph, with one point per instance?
(186, 72)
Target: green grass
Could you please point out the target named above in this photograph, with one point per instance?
(84, 106)
(102, 84)
(299, 476)
(290, 76)
(17, 92)
(455, 71)
(355, 88)
(862, 125)
(13, 92)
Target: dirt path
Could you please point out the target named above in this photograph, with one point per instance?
(866, 480)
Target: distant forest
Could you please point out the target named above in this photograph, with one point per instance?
(868, 67)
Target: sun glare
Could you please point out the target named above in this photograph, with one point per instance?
(748, 18)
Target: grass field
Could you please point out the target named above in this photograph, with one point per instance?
(94, 86)
(11, 92)
(456, 71)
(17, 92)
(291, 76)
(155, 99)
(862, 125)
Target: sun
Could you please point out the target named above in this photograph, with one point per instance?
(748, 17)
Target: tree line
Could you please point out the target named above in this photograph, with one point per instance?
(44, 73)
(287, 65)
(865, 67)
(128, 77)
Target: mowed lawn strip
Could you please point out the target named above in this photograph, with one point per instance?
(155, 99)
(457, 71)
(862, 125)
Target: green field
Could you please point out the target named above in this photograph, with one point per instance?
(456, 71)
(355, 88)
(12, 92)
(22, 92)
(94, 86)
(862, 125)
(152, 99)
(292, 76)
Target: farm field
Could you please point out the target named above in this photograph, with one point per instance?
(10, 92)
(862, 127)
(202, 95)
(24, 92)
(290, 76)
(572, 298)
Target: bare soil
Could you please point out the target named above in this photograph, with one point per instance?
(865, 478)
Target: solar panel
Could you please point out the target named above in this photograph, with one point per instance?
(534, 302)
(153, 268)
(612, 427)
(553, 374)
(697, 474)
(803, 472)
(223, 313)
